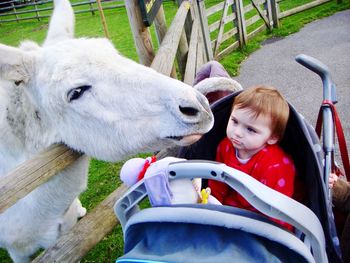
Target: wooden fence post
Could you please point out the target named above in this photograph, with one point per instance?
(14, 10)
(240, 22)
(181, 54)
(171, 41)
(205, 29)
(142, 36)
(195, 15)
(192, 52)
(267, 6)
(91, 8)
(182, 50)
(261, 13)
(221, 27)
(274, 13)
(200, 57)
(189, 20)
(36, 10)
(161, 29)
(160, 24)
(103, 19)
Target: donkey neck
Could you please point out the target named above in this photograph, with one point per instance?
(23, 132)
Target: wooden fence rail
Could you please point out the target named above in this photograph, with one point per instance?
(46, 11)
(34, 172)
(51, 8)
(90, 230)
(9, 9)
(299, 9)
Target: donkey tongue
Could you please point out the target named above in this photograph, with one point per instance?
(189, 139)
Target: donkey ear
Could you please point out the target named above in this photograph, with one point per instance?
(15, 64)
(61, 24)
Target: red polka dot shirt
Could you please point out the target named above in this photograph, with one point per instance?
(271, 166)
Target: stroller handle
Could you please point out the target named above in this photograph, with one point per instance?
(322, 70)
(329, 94)
(256, 193)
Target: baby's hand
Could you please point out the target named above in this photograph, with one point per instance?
(333, 178)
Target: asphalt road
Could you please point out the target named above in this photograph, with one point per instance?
(327, 40)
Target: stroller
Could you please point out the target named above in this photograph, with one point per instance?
(213, 233)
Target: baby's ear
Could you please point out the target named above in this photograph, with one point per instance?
(273, 140)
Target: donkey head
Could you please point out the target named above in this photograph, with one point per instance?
(96, 101)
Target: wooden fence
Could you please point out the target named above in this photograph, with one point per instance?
(15, 11)
(239, 22)
(187, 42)
(19, 10)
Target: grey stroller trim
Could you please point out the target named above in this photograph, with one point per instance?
(256, 193)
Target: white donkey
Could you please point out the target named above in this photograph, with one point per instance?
(82, 93)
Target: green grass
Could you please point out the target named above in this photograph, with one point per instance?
(103, 176)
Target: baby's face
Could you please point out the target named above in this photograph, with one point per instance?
(247, 133)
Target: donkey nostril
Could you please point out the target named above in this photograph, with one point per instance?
(188, 111)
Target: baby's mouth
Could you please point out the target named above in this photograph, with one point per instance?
(236, 142)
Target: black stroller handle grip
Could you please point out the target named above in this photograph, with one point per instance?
(256, 193)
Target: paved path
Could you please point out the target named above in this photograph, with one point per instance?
(328, 40)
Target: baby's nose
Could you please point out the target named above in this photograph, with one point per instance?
(238, 132)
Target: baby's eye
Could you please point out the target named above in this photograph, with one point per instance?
(251, 130)
(234, 121)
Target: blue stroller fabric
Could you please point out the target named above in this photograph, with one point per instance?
(179, 234)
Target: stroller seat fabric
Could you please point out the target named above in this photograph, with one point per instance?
(197, 233)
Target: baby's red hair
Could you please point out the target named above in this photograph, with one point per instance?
(267, 101)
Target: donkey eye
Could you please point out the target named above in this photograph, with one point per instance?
(76, 93)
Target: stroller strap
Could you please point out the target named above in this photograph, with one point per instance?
(340, 135)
